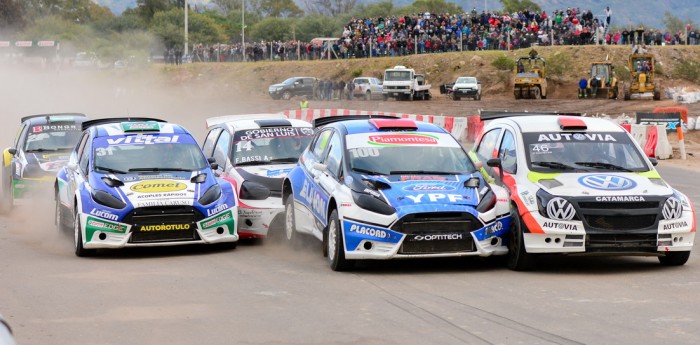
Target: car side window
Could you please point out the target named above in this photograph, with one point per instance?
(507, 153)
(85, 157)
(20, 136)
(208, 147)
(221, 149)
(486, 147)
(81, 145)
(321, 143)
(335, 156)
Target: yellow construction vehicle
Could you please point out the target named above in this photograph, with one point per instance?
(530, 79)
(643, 81)
(605, 73)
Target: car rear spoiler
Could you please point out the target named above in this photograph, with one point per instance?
(213, 121)
(322, 121)
(53, 114)
(90, 123)
(492, 115)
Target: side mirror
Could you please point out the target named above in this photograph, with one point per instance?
(496, 163)
(653, 161)
(72, 166)
(211, 160)
(12, 151)
(320, 167)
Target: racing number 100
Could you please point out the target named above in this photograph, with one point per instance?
(362, 152)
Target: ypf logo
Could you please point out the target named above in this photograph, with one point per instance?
(158, 186)
(607, 182)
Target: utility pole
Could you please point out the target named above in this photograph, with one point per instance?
(187, 44)
(243, 28)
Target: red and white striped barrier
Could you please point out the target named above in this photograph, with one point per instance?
(653, 139)
(457, 126)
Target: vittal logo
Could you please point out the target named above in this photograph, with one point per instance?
(403, 139)
(158, 186)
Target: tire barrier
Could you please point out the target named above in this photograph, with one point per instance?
(457, 126)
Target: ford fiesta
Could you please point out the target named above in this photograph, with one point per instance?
(582, 186)
(255, 153)
(40, 149)
(383, 188)
(142, 182)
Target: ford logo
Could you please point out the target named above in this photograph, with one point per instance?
(607, 182)
(426, 187)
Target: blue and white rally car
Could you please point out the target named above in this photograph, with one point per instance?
(582, 186)
(142, 182)
(382, 188)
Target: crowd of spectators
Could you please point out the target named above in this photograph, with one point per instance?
(433, 33)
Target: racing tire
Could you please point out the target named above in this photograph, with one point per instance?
(290, 232)
(6, 197)
(518, 257)
(385, 97)
(657, 95)
(674, 258)
(336, 245)
(78, 238)
(455, 97)
(59, 217)
(368, 96)
(287, 95)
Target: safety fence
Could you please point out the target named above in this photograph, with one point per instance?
(652, 138)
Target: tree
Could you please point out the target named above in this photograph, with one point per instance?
(675, 24)
(511, 6)
(226, 6)
(272, 29)
(147, 9)
(435, 6)
(169, 26)
(316, 25)
(280, 8)
(329, 7)
(11, 15)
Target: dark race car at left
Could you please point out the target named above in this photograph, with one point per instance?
(142, 182)
(40, 148)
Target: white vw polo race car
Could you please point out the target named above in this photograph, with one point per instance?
(582, 186)
(254, 153)
(384, 188)
(142, 182)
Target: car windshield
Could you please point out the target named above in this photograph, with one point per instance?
(150, 157)
(407, 153)
(269, 145)
(47, 140)
(466, 80)
(397, 75)
(576, 152)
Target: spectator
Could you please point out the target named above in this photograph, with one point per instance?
(304, 103)
(608, 14)
(583, 88)
(341, 89)
(351, 90)
(595, 84)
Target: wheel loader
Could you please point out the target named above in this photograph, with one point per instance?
(643, 83)
(605, 72)
(530, 79)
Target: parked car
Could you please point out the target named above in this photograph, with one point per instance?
(142, 182)
(295, 86)
(367, 88)
(466, 87)
(39, 150)
(255, 153)
(355, 191)
(582, 186)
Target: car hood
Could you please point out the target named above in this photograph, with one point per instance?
(158, 189)
(427, 193)
(605, 184)
(273, 171)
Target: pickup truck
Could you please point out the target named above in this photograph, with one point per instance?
(466, 87)
(403, 83)
(367, 88)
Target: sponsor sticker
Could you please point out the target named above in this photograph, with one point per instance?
(96, 224)
(158, 186)
(436, 237)
(165, 227)
(560, 226)
(676, 225)
(221, 219)
(403, 139)
(145, 139)
(425, 187)
(104, 214)
(217, 209)
(621, 198)
(140, 126)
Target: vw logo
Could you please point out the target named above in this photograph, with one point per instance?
(672, 208)
(579, 136)
(559, 208)
(607, 182)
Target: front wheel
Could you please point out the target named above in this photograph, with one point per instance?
(78, 238)
(336, 245)
(368, 96)
(59, 217)
(674, 258)
(290, 231)
(518, 257)
(286, 95)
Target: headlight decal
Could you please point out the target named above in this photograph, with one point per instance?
(672, 209)
(561, 209)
